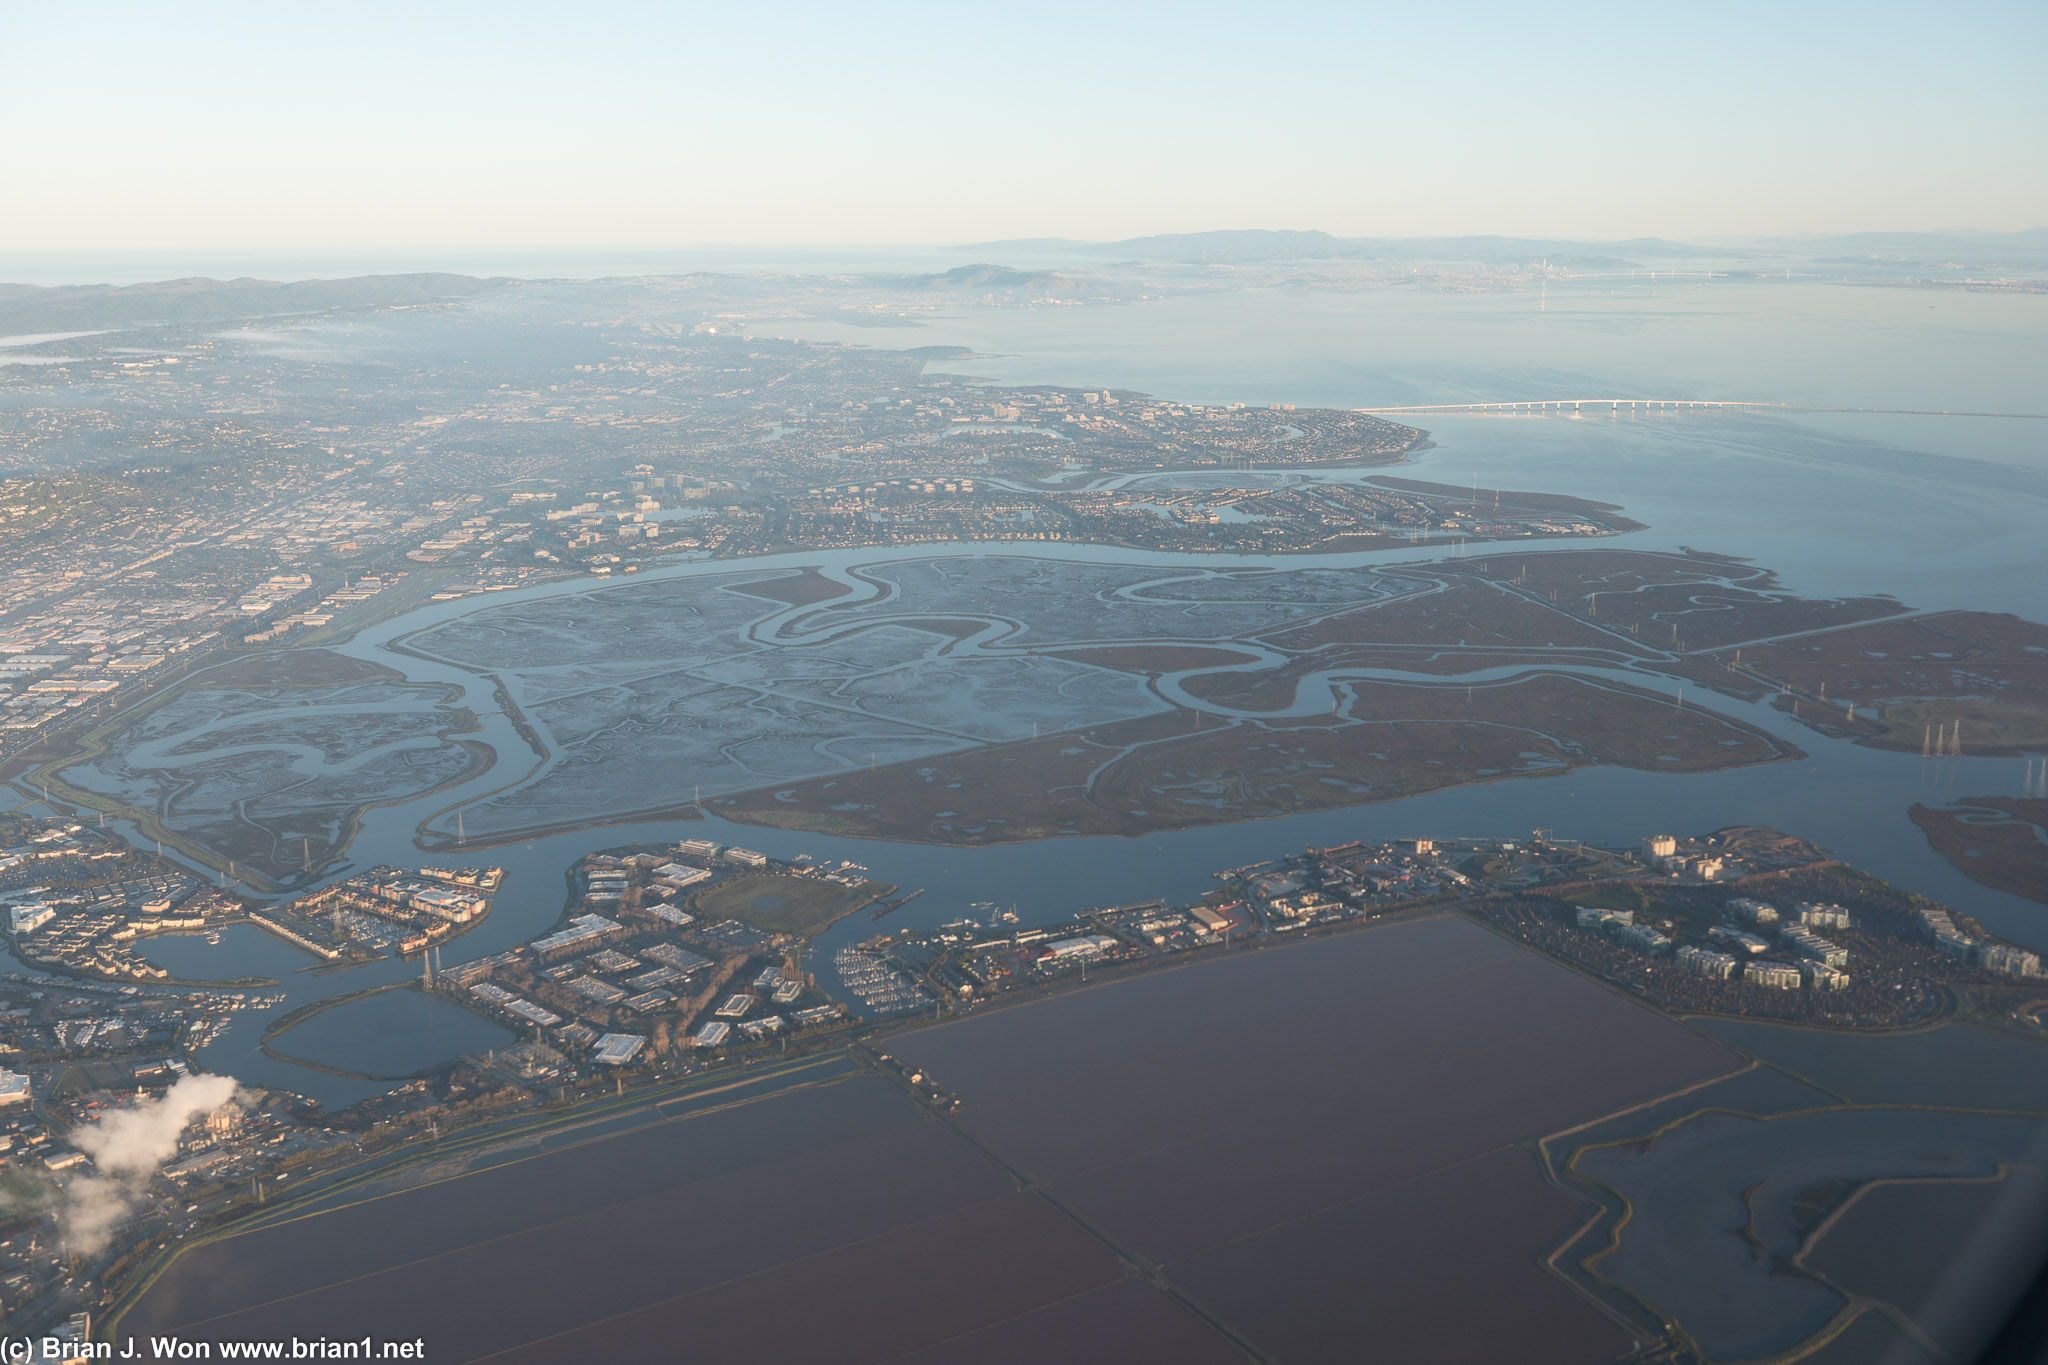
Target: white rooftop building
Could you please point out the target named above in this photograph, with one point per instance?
(616, 1049)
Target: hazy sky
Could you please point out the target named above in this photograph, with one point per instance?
(367, 127)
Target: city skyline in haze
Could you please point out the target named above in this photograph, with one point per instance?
(478, 130)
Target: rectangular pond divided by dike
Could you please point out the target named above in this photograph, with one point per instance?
(1270, 1118)
(816, 1224)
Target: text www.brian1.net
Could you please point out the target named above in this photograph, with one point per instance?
(53, 1349)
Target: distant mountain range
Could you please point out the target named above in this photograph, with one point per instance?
(28, 308)
(2028, 247)
(990, 279)
(1262, 244)
(31, 308)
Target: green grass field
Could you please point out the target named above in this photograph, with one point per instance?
(786, 905)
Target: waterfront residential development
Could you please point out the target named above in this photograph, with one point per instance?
(676, 964)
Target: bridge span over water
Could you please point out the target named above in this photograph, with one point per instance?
(1634, 406)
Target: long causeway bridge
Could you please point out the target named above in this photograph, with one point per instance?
(1633, 406)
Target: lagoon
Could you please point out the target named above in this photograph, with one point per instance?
(390, 1035)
